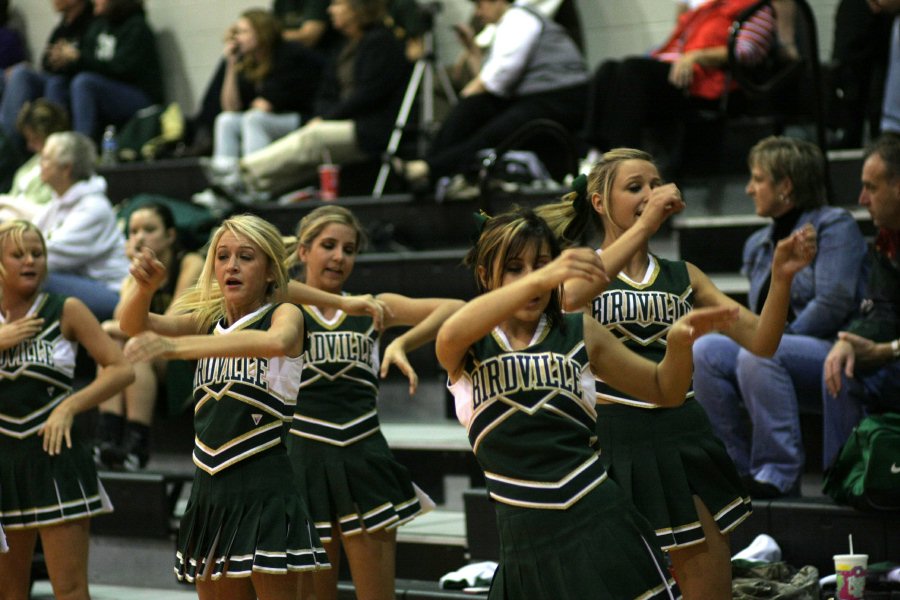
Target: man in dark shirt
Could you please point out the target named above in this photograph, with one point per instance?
(25, 83)
(862, 370)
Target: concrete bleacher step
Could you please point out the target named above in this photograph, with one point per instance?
(149, 503)
(145, 503)
(436, 273)
(178, 178)
(431, 452)
(431, 545)
(809, 530)
(405, 221)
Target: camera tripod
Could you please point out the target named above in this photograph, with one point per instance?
(422, 76)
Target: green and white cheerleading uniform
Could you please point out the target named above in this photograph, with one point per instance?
(662, 457)
(341, 460)
(37, 489)
(567, 532)
(245, 514)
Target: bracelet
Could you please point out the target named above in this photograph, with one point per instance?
(895, 349)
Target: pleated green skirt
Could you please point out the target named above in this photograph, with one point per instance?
(37, 489)
(664, 457)
(248, 518)
(600, 548)
(360, 487)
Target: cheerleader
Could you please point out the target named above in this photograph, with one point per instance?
(48, 482)
(668, 460)
(358, 493)
(520, 371)
(246, 531)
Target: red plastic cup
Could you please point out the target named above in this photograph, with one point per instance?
(328, 181)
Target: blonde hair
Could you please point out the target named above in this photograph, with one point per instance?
(311, 225)
(569, 217)
(205, 298)
(15, 230)
(799, 161)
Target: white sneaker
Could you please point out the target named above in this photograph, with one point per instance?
(763, 548)
(217, 205)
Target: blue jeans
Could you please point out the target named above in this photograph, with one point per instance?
(97, 101)
(771, 389)
(24, 84)
(241, 133)
(99, 298)
(869, 391)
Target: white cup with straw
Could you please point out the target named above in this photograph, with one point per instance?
(850, 570)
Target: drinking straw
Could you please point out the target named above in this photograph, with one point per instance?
(326, 155)
(850, 539)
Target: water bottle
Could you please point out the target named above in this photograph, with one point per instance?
(109, 147)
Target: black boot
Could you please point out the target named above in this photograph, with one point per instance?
(108, 437)
(135, 446)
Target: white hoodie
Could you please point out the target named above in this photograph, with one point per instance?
(82, 236)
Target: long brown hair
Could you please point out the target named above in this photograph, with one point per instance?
(256, 66)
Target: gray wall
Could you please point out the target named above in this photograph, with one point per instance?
(190, 32)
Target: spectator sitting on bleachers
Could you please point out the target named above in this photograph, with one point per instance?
(658, 91)
(855, 74)
(85, 248)
(25, 83)
(890, 113)
(123, 428)
(117, 70)
(786, 185)
(29, 194)
(785, 17)
(358, 101)
(12, 50)
(269, 86)
(862, 370)
(533, 70)
(302, 21)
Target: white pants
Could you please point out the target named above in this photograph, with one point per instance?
(294, 159)
(241, 133)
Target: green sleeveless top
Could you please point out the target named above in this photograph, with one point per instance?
(337, 402)
(530, 416)
(242, 403)
(640, 314)
(36, 374)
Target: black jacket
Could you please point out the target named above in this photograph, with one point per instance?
(292, 83)
(380, 75)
